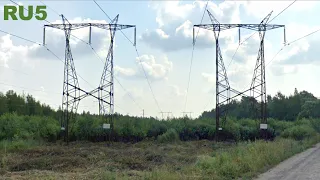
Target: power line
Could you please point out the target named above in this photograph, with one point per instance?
(138, 54)
(95, 52)
(238, 48)
(6, 84)
(34, 42)
(57, 56)
(288, 44)
(145, 74)
(274, 56)
(111, 20)
(303, 37)
(38, 90)
(49, 21)
(129, 94)
(63, 63)
(50, 8)
(282, 11)
(47, 49)
(257, 31)
(192, 54)
(102, 10)
(44, 45)
(27, 9)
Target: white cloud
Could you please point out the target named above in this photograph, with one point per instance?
(11, 54)
(162, 34)
(172, 33)
(175, 91)
(171, 11)
(154, 69)
(175, 30)
(55, 41)
(124, 71)
(262, 8)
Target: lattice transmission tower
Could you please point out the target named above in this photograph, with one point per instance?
(71, 88)
(224, 93)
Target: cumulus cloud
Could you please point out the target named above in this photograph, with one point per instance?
(127, 72)
(303, 51)
(262, 8)
(11, 54)
(175, 91)
(55, 41)
(154, 69)
(307, 54)
(176, 20)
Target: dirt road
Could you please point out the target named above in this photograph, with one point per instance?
(304, 166)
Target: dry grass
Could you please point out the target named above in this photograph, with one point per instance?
(149, 160)
(84, 160)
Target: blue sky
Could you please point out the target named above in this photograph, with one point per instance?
(164, 42)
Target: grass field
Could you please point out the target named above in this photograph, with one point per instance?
(146, 160)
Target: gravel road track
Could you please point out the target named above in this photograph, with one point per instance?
(303, 166)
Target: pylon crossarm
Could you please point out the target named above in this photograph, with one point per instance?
(254, 27)
(83, 25)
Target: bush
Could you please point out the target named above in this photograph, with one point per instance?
(315, 123)
(156, 130)
(299, 132)
(134, 129)
(246, 160)
(170, 136)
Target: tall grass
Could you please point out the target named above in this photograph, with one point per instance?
(248, 159)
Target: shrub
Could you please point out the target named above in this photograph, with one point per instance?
(315, 123)
(299, 132)
(170, 136)
(156, 130)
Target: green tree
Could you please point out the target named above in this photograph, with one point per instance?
(3, 104)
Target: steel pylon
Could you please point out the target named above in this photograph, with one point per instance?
(106, 87)
(223, 89)
(71, 89)
(70, 84)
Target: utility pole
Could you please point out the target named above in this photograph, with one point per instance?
(168, 114)
(162, 115)
(186, 114)
(71, 88)
(223, 88)
(143, 113)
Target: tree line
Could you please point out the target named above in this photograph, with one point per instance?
(295, 116)
(288, 108)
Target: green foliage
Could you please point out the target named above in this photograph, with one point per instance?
(13, 126)
(17, 144)
(170, 136)
(289, 108)
(299, 132)
(315, 123)
(23, 117)
(250, 158)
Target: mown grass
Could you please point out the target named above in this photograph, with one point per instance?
(151, 160)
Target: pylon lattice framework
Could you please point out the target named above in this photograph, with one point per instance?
(71, 88)
(223, 89)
